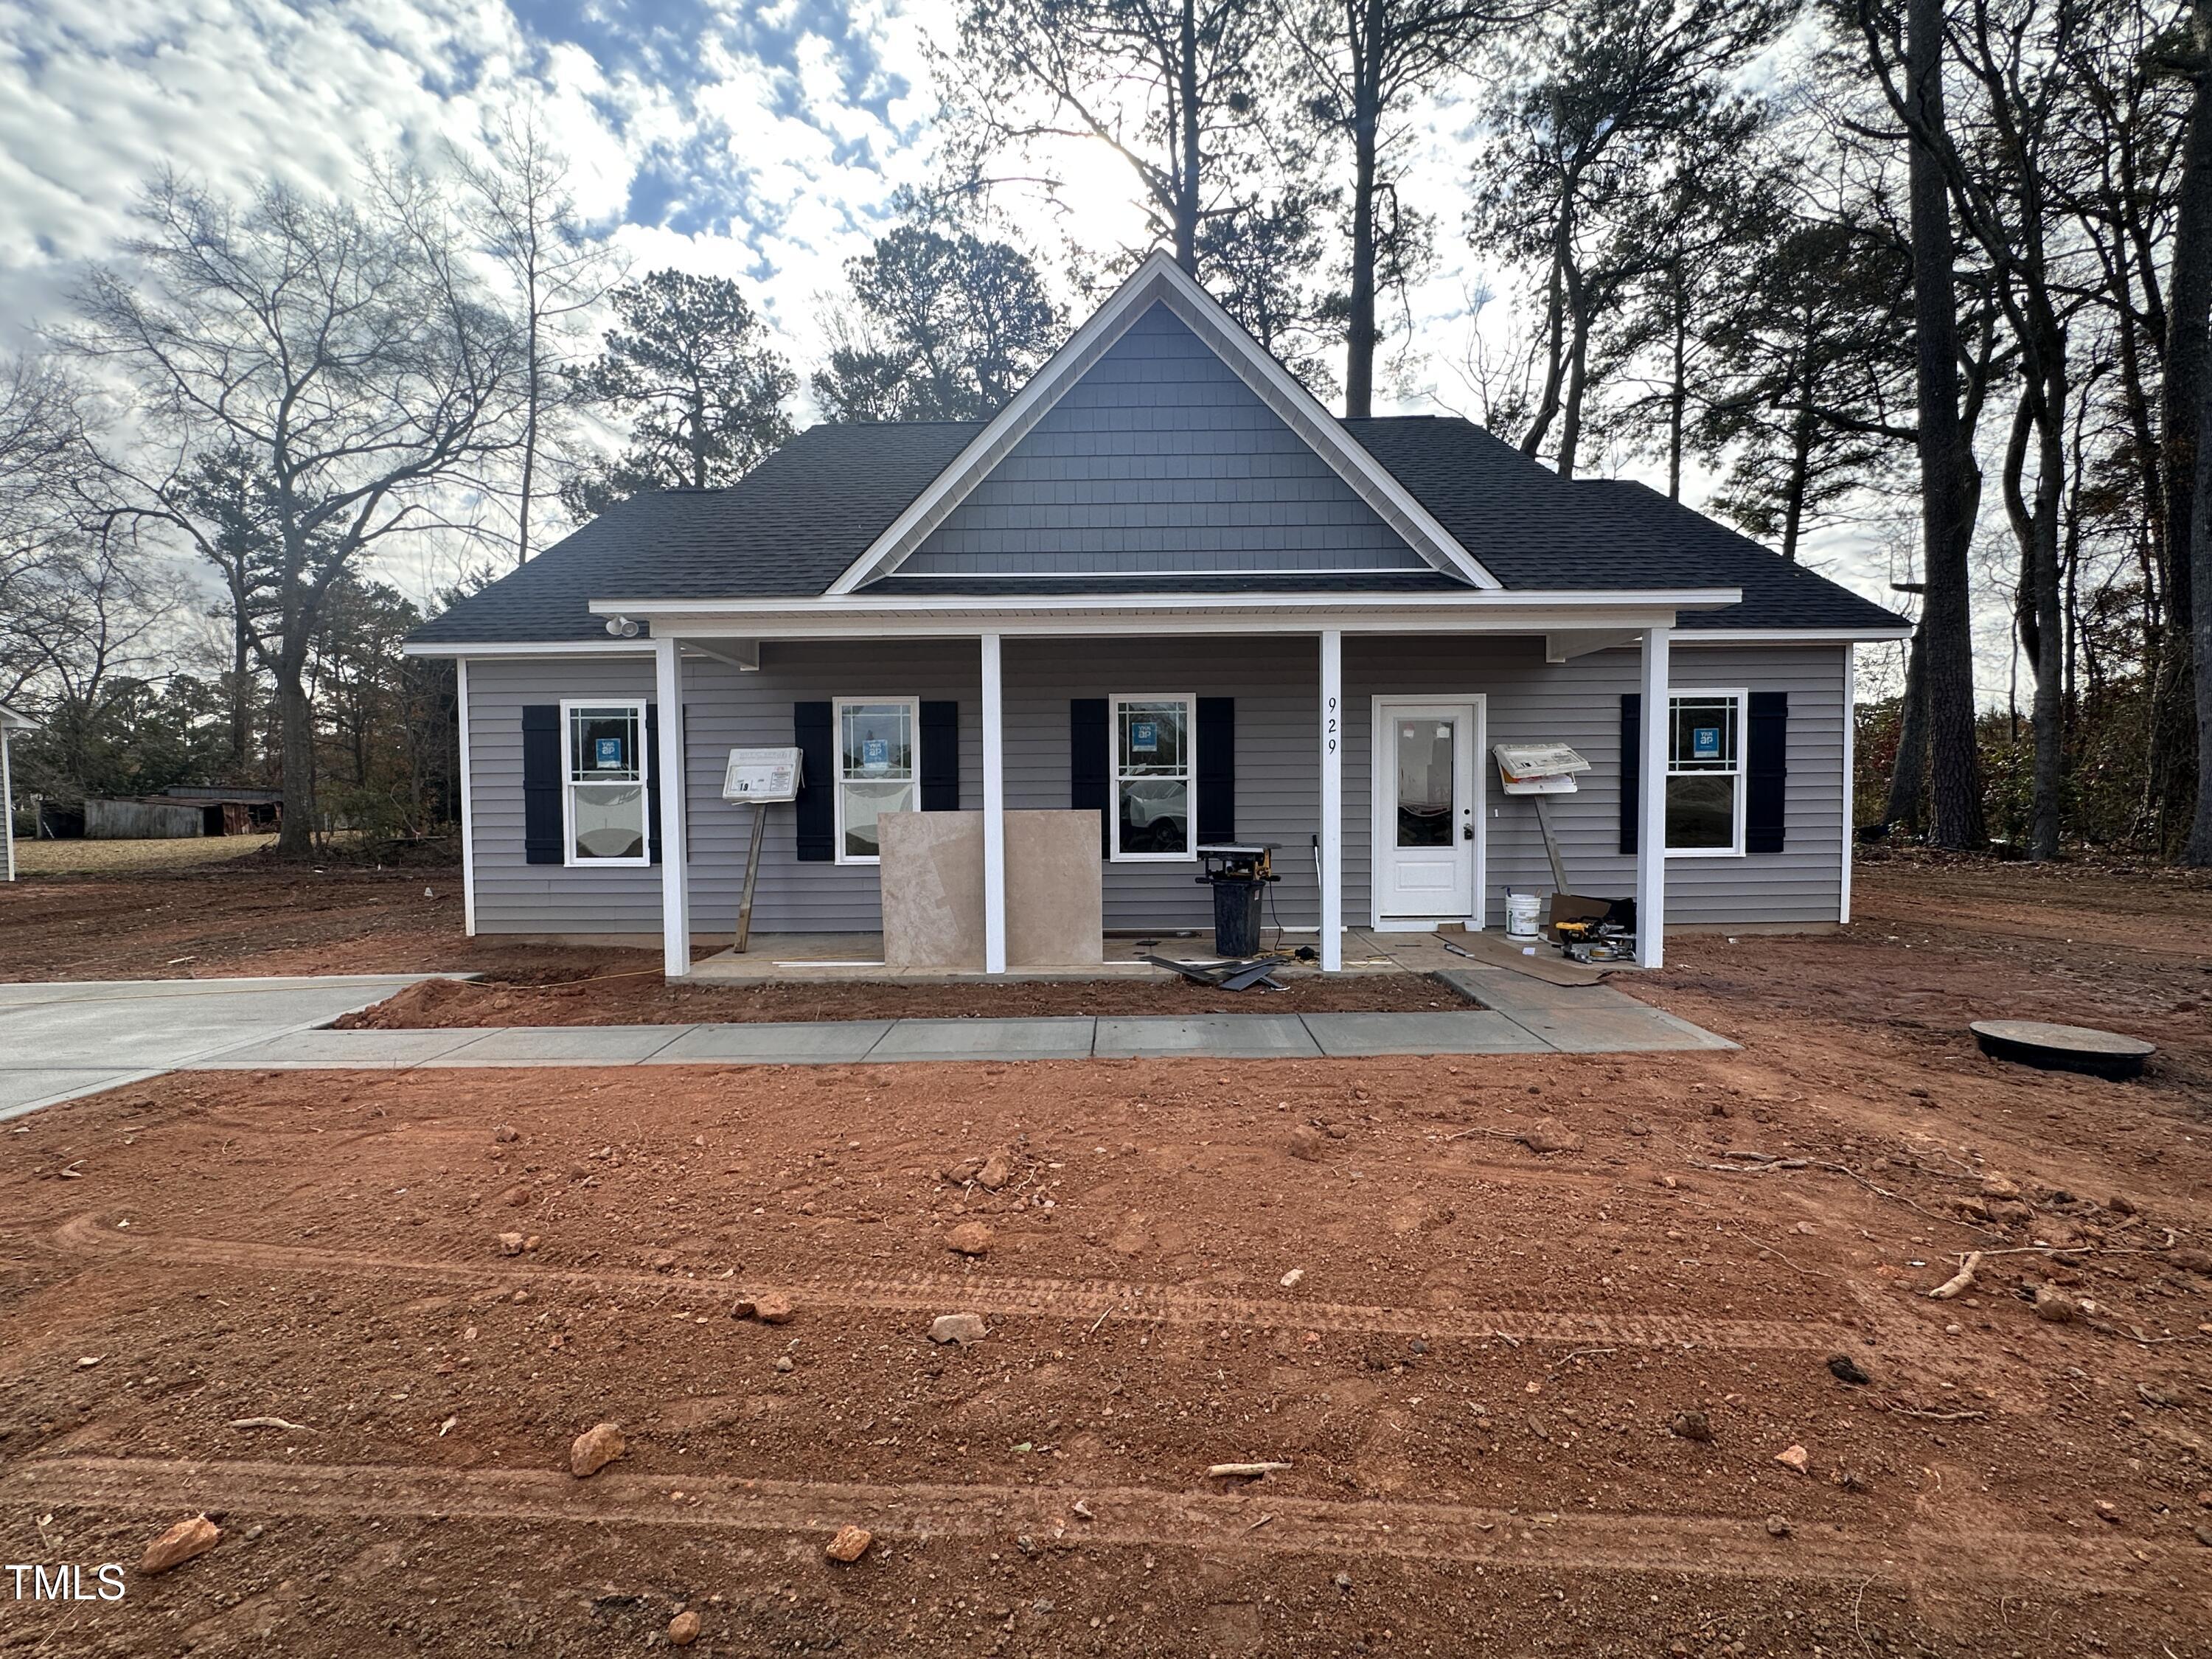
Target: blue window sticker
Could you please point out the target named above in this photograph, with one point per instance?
(1705, 743)
(606, 753)
(876, 753)
(1144, 737)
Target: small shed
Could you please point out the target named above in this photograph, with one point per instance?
(231, 810)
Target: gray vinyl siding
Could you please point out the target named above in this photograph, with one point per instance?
(1275, 681)
(728, 709)
(1160, 458)
(1577, 703)
(513, 897)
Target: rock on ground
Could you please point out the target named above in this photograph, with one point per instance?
(960, 1328)
(1691, 1426)
(1549, 1135)
(683, 1629)
(1796, 1457)
(969, 1238)
(774, 1308)
(850, 1544)
(998, 1169)
(511, 1243)
(595, 1448)
(187, 1538)
(2054, 1307)
(1307, 1142)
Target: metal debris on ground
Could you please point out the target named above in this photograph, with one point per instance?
(1239, 974)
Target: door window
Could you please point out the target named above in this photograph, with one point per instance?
(1424, 782)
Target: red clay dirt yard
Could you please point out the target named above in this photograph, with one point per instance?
(1674, 1388)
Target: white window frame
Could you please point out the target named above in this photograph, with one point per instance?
(1115, 704)
(1741, 698)
(837, 779)
(569, 781)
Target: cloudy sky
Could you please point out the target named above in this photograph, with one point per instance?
(762, 141)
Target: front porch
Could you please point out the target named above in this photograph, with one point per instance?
(1310, 761)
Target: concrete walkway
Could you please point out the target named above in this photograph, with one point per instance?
(58, 1042)
(68, 1038)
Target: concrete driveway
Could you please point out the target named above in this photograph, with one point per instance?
(60, 1040)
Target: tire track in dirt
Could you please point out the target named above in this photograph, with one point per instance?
(1708, 1546)
(1011, 1296)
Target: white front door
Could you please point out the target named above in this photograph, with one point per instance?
(1428, 809)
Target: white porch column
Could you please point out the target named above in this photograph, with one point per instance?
(468, 805)
(668, 767)
(994, 814)
(7, 802)
(1651, 808)
(1331, 801)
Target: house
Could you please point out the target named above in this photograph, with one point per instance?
(1165, 585)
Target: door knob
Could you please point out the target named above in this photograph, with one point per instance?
(1466, 832)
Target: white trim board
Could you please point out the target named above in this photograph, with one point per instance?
(1159, 280)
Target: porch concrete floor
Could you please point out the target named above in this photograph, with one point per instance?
(783, 957)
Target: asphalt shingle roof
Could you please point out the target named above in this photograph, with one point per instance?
(791, 526)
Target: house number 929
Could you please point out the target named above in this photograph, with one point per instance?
(1329, 727)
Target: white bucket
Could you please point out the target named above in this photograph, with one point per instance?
(1520, 911)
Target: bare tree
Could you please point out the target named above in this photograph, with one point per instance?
(1367, 60)
(2186, 414)
(344, 348)
(47, 463)
(1949, 480)
(1622, 108)
(1170, 86)
(518, 204)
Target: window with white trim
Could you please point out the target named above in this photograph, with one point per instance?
(603, 796)
(1704, 774)
(1153, 740)
(875, 770)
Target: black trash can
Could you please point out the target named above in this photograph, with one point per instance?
(1236, 915)
(1239, 873)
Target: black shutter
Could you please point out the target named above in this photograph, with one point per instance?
(814, 818)
(652, 758)
(1631, 765)
(1217, 770)
(1088, 774)
(940, 756)
(541, 783)
(1766, 771)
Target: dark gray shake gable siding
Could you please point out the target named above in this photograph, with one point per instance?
(1160, 460)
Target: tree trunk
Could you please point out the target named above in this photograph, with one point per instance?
(241, 681)
(1801, 474)
(1548, 404)
(2050, 663)
(2187, 357)
(698, 440)
(1908, 778)
(1186, 180)
(2199, 848)
(529, 445)
(1366, 124)
(296, 723)
(1946, 516)
(1678, 388)
(1571, 422)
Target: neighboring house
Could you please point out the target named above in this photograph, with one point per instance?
(1165, 584)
